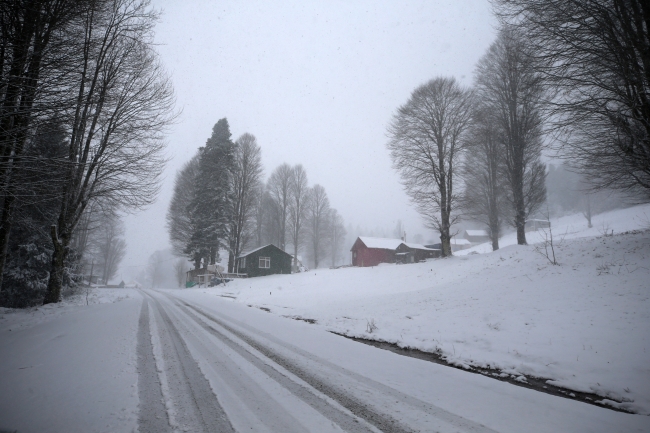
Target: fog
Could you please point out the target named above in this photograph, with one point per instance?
(317, 83)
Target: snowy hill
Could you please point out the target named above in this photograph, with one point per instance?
(582, 325)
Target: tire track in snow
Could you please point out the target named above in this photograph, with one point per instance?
(356, 405)
(347, 421)
(253, 400)
(152, 416)
(196, 407)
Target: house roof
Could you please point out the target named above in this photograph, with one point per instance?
(482, 233)
(259, 248)
(390, 244)
(418, 246)
(381, 243)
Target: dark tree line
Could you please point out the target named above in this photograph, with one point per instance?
(83, 75)
(221, 202)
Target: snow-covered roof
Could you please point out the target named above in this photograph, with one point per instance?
(418, 246)
(390, 244)
(381, 243)
(257, 249)
(476, 233)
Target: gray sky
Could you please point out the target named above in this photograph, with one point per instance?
(316, 82)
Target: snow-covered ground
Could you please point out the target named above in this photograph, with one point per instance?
(71, 367)
(583, 325)
(77, 366)
(17, 319)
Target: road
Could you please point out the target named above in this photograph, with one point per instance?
(193, 361)
(216, 373)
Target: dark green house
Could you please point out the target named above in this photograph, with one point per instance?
(266, 260)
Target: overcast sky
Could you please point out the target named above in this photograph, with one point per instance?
(316, 82)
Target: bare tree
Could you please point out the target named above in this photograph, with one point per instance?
(298, 202)
(180, 268)
(109, 245)
(123, 105)
(279, 187)
(179, 223)
(246, 181)
(31, 65)
(261, 215)
(594, 55)
(511, 90)
(155, 269)
(484, 196)
(318, 213)
(426, 138)
(336, 235)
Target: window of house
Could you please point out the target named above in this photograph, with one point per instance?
(265, 262)
(242, 262)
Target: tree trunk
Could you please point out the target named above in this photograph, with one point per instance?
(520, 223)
(587, 212)
(5, 230)
(445, 226)
(55, 282)
(494, 226)
(231, 261)
(520, 206)
(295, 258)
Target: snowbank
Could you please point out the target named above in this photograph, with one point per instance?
(583, 324)
(16, 319)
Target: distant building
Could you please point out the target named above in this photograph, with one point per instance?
(266, 260)
(477, 236)
(535, 224)
(199, 276)
(459, 244)
(369, 251)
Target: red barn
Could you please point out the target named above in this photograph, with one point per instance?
(368, 251)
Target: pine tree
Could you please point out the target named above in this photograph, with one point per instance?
(211, 207)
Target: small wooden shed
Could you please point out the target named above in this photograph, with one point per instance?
(266, 260)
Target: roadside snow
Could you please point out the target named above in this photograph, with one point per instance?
(71, 367)
(16, 319)
(582, 325)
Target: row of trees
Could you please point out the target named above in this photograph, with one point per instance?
(84, 103)
(221, 202)
(489, 136)
(564, 75)
(295, 216)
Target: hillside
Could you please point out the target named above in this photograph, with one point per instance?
(582, 325)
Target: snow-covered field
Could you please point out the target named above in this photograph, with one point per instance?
(583, 325)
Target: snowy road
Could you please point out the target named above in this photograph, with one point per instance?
(262, 382)
(181, 360)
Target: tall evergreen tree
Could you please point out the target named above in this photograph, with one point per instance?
(179, 221)
(211, 206)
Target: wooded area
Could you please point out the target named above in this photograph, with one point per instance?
(568, 78)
